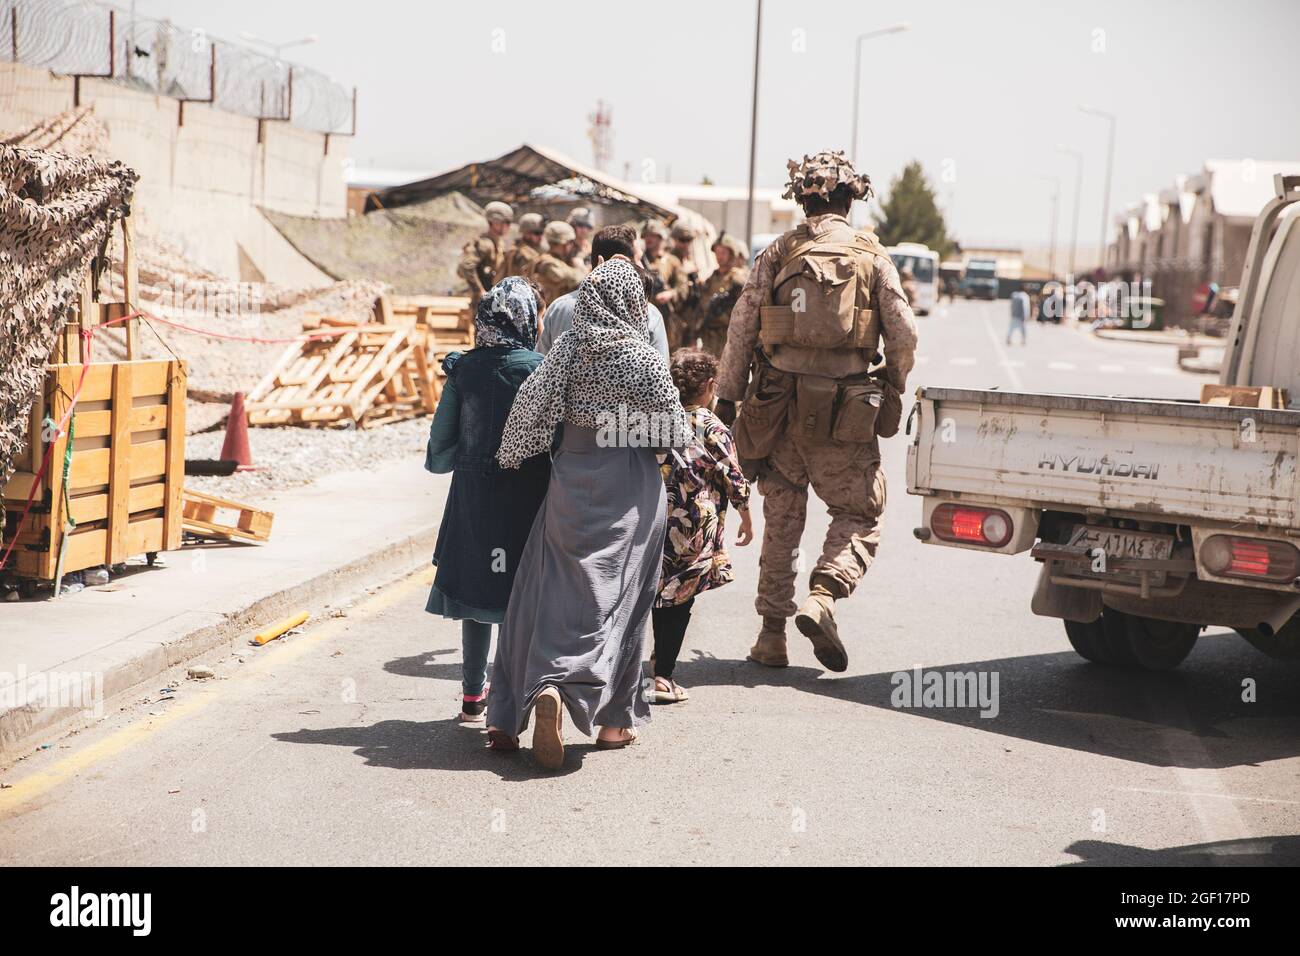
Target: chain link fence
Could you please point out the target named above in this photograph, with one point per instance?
(81, 37)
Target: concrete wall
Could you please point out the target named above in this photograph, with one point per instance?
(201, 183)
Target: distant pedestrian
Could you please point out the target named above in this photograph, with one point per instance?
(489, 510)
(1020, 309)
(574, 630)
(702, 481)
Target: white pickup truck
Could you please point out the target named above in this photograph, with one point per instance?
(1152, 519)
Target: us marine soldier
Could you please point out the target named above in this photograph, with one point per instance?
(671, 297)
(711, 312)
(480, 260)
(583, 226)
(527, 248)
(810, 318)
(553, 270)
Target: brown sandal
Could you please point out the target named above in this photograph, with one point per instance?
(628, 741)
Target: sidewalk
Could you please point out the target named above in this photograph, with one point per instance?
(331, 539)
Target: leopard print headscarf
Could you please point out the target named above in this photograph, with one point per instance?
(602, 374)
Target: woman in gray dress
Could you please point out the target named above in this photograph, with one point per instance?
(588, 575)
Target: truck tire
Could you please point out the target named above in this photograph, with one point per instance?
(1156, 645)
(1095, 641)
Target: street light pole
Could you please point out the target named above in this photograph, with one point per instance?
(857, 78)
(753, 127)
(1078, 193)
(1110, 163)
(1056, 209)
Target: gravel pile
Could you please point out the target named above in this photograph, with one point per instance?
(293, 456)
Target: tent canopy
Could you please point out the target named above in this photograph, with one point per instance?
(532, 175)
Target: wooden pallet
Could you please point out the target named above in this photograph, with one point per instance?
(1244, 396)
(367, 375)
(207, 516)
(443, 323)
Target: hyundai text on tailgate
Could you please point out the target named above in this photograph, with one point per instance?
(1150, 519)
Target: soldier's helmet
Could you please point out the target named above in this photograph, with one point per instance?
(530, 223)
(738, 248)
(498, 212)
(655, 227)
(821, 173)
(580, 218)
(557, 233)
(683, 233)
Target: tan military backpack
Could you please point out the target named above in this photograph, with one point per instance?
(822, 295)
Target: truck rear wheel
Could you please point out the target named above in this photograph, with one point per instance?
(1091, 641)
(1128, 640)
(1157, 645)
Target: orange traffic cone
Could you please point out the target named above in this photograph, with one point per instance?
(235, 447)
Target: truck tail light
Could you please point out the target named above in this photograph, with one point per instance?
(989, 527)
(1252, 558)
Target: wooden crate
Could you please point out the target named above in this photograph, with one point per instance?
(125, 476)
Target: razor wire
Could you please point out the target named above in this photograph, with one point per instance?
(71, 37)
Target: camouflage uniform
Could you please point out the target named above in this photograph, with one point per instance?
(710, 315)
(480, 265)
(481, 260)
(526, 248)
(846, 476)
(555, 276)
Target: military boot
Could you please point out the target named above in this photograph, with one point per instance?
(816, 621)
(769, 649)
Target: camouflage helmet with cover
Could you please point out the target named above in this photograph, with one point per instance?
(822, 173)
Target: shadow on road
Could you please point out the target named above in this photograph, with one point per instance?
(1193, 717)
(436, 745)
(1256, 851)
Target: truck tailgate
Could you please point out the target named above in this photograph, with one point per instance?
(1137, 456)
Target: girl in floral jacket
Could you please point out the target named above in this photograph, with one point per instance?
(701, 481)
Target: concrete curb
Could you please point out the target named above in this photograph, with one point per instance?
(180, 640)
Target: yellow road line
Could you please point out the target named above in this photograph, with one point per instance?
(29, 788)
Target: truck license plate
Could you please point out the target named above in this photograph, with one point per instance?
(1118, 543)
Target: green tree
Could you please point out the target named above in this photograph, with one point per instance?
(910, 213)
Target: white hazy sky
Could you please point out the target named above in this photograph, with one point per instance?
(984, 91)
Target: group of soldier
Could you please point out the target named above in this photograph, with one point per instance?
(557, 255)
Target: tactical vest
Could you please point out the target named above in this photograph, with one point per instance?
(821, 296)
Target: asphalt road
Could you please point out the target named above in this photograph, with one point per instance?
(340, 745)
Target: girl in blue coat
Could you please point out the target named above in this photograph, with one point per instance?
(490, 510)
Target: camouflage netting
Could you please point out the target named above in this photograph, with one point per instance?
(415, 249)
(55, 212)
(174, 287)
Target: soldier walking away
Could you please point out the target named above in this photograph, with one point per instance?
(527, 248)
(583, 226)
(553, 270)
(711, 314)
(481, 259)
(802, 353)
